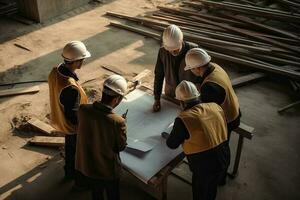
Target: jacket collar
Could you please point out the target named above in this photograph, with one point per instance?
(105, 108)
(209, 70)
(65, 71)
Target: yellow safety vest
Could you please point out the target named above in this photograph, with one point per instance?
(206, 125)
(57, 82)
(231, 104)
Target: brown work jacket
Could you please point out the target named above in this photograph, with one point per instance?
(101, 136)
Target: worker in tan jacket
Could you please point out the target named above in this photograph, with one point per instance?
(201, 129)
(101, 136)
(216, 87)
(65, 97)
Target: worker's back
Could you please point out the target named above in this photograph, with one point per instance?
(206, 125)
(101, 136)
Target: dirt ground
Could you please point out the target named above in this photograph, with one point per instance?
(270, 162)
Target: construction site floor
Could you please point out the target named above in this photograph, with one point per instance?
(270, 162)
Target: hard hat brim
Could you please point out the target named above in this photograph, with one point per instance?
(87, 55)
(188, 99)
(172, 48)
(188, 67)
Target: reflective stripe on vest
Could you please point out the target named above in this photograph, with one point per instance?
(231, 103)
(57, 82)
(206, 125)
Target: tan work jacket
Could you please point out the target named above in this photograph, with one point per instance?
(206, 125)
(57, 82)
(101, 136)
(231, 104)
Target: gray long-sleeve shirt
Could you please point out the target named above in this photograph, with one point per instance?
(171, 69)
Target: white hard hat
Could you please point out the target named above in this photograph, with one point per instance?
(196, 57)
(186, 91)
(75, 50)
(117, 84)
(172, 37)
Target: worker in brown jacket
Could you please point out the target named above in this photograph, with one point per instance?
(170, 64)
(201, 129)
(216, 87)
(65, 97)
(101, 136)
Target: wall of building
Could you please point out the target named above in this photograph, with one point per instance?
(42, 10)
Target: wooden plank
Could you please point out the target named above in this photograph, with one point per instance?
(135, 81)
(113, 69)
(258, 7)
(289, 3)
(197, 38)
(243, 80)
(42, 126)
(245, 130)
(141, 75)
(47, 141)
(247, 33)
(136, 30)
(253, 11)
(19, 91)
(180, 21)
(263, 26)
(285, 72)
(280, 110)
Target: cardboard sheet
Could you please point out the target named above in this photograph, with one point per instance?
(145, 126)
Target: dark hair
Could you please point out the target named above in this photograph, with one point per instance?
(107, 98)
(68, 62)
(191, 103)
(71, 62)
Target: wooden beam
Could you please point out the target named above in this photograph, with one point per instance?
(263, 26)
(47, 141)
(244, 80)
(19, 91)
(113, 69)
(245, 32)
(280, 110)
(195, 38)
(245, 131)
(273, 14)
(42, 126)
(141, 75)
(285, 72)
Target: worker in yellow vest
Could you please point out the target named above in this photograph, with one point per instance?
(201, 128)
(65, 97)
(216, 87)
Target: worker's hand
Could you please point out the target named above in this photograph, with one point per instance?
(156, 106)
(165, 135)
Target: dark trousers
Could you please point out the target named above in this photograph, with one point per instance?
(207, 168)
(70, 149)
(230, 127)
(98, 187)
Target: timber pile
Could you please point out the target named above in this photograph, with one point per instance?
(8, 8)
(242, 33)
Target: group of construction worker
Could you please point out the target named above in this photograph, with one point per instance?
(94, 134)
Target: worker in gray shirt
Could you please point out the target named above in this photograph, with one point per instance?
(170, 64)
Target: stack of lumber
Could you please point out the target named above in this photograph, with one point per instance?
(8, 8)
(243, 33)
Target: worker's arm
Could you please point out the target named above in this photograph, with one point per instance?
(159, 76)
(178, 134)
(121, 137)
(70, 99)
(212, 92)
